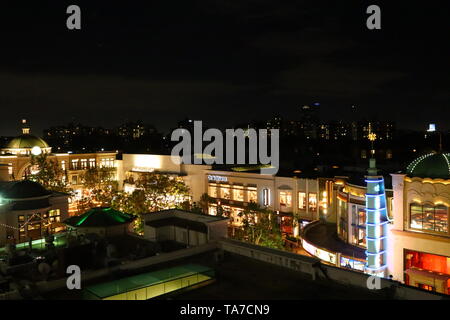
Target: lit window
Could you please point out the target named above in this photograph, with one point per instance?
(266, 196)
(285, 199)
(63, 165)
(238, 193)
(312, 201)
(302, 200)
(225, 192)
(75, 164)
(252, 194)
(83, 164)
(212, 190)
(429, 217)
(91, 163)
(54, 215)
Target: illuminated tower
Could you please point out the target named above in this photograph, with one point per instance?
(376, 222)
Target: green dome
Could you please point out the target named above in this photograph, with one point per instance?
(433, 165)
(26, 141)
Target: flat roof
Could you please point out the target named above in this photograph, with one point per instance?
(112, 288)
(178, 222)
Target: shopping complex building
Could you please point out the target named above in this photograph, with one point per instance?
(389, 224)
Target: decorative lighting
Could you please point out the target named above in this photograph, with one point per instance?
(376, 222)
(36, 151)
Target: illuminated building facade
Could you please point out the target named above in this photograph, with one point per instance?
(293, 199)
(16, 155)
(419, 245)
(28, 210)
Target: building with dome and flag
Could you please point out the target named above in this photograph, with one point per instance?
(17, 155)
(419, 243)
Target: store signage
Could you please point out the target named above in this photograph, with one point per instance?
(319, 253)
(143, 169)
(217, 178)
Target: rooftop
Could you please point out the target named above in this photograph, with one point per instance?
(100, 217)
(178, 222)
(433, 165)
(112, 288)
(26, 141)
(22, 189)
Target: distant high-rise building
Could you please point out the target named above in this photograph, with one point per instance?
(309, 118)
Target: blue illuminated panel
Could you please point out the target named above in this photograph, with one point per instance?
(376, 225)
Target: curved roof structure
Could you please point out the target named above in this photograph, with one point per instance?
(432, 165)
(99, 217)
(26, 141)
(23, 189)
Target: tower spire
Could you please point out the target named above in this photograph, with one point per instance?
(25, 127)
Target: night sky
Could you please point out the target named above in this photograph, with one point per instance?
(222, 61)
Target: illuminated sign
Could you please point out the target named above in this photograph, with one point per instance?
(352, 264)
(143, 169)
(431, 127)
(217, 178)
(319, 253)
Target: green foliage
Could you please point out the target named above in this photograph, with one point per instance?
(260, 227)
(154, 192)
(162, 191)
(101, 183)
(49, 175)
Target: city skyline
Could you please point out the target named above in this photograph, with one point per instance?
(205, 59)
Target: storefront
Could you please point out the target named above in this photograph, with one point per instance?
(427, 271)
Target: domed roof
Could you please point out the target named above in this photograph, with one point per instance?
(23, 189)
(26, 141)
(433, 165)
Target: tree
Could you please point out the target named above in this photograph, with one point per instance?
(101, 184)
(153, 192)
(49, 174)
(162, 191)
(260, 227)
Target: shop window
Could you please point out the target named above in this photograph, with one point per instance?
(359, 225)
(212, 210)
(212, 190)
(252, 194)
(343, 220)
(312, 201)
(302, 200)
(225, 192)
(428, 217)
(238, 193)
(285, 199)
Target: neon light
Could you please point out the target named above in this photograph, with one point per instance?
(375, 254)
(371, 180)
(376, 222)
